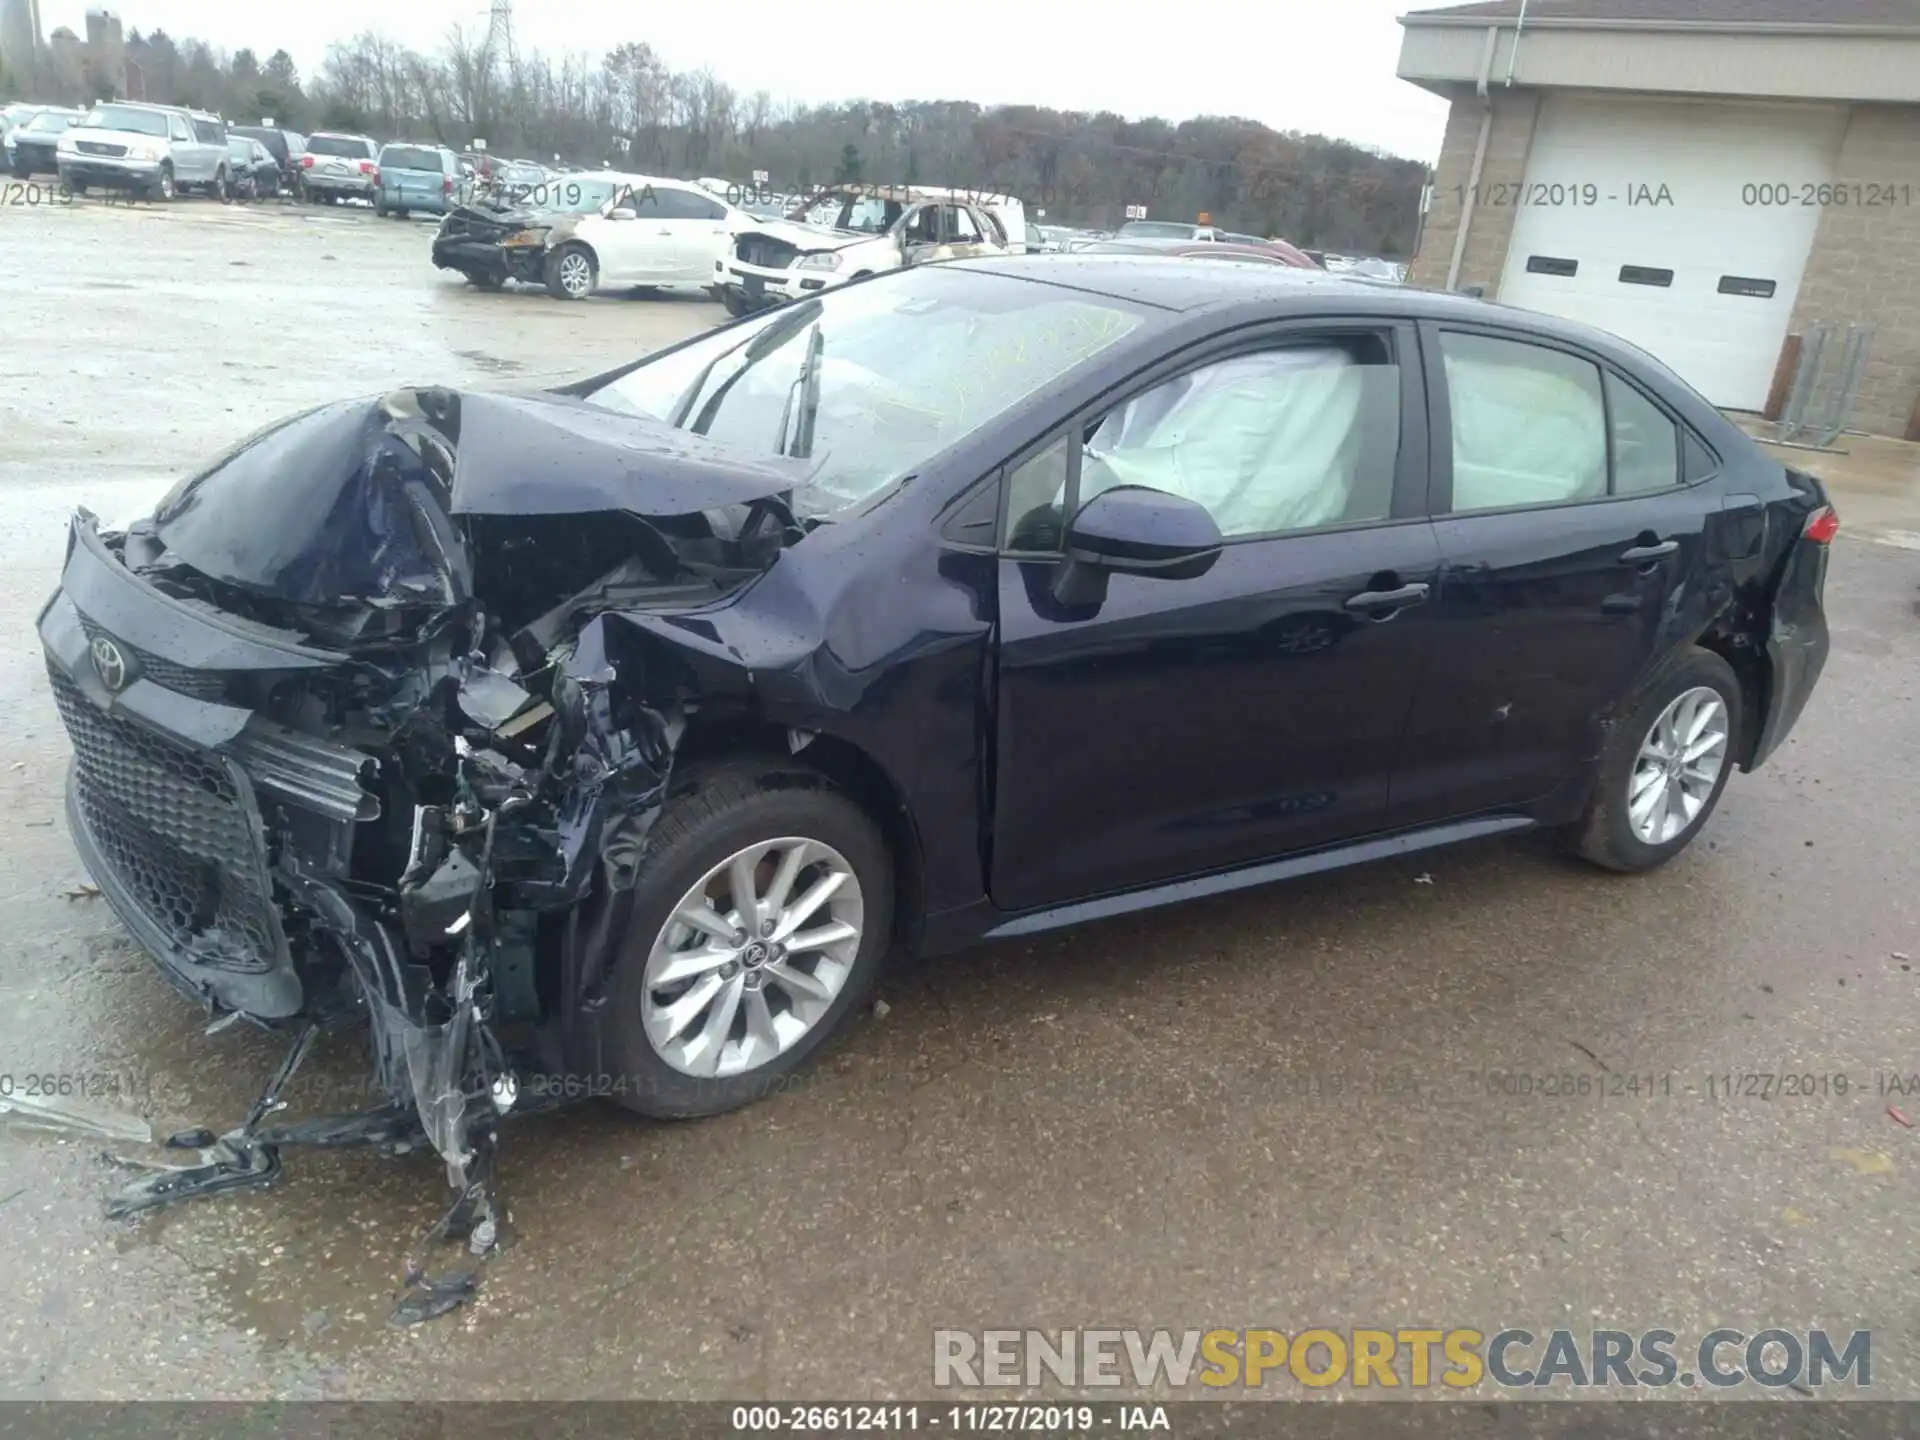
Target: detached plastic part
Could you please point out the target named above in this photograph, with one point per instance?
(74, 1116)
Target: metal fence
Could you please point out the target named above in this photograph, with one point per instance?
(1826, 382)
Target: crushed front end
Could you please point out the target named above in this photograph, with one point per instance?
(350, 742)
(493, 244)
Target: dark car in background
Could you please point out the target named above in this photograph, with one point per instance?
(286, 147)
(607, 760)
(254, 173)
(32, 147)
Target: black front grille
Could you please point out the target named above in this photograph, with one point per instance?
(764, 251)
(181, 679)
(173, 824)
(94, 147)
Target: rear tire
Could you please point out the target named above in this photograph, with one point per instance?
(380, 208)
(1641, 814)
(720, 813)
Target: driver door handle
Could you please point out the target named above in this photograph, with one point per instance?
(1372, 601)
(1641, 554)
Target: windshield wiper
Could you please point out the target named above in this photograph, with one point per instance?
(808, 387)
(757, 348)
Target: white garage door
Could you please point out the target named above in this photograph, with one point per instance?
(1677, 226)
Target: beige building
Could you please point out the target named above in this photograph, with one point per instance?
(1702, 177)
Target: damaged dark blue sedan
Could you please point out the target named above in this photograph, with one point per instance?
(613, 736)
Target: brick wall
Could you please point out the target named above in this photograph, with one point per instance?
(1865, 265)
(1514, 113)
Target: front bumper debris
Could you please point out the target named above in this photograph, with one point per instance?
(400, 813)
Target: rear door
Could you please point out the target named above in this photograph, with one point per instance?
(210, 146)
(1187, 725)
(695, 230)
(1571, 523)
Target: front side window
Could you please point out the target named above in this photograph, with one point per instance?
(1529, 424)
(1293, 438)
(963, 230)
(872, 381)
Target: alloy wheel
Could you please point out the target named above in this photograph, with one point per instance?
(1678, 766)
(753, 957)
(576, 274)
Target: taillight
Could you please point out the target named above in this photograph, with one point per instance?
(446, 185)
(306, 162)
(1822, 525)
(367, 167)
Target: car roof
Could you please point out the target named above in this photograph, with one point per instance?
(1176, 284)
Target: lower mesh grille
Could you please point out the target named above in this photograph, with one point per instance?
(172, 824)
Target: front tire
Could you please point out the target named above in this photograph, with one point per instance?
(572, 273)
(1665, 766)
(700, 1021)
(734, 301)
(164, 188)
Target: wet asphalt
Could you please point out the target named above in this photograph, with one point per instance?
(1272, 1109)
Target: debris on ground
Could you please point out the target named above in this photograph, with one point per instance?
(84, 891)
(1864, 1162)
(880, 1009)
(70, 1115)
(1423, 879)
(1899, 1115)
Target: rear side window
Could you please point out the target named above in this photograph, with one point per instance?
(210, 132)
(1646, 444)
(1529, 424)
(409, 157)
(687, 205)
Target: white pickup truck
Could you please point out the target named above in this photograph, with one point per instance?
(851, 231)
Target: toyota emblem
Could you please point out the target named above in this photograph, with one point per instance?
(109, 664)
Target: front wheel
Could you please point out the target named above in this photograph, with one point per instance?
(571, 273)
(735, 302)
(759, 922)
(164, 188)
(1665, 767)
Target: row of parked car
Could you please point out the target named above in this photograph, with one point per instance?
(161, 151)
(577, 234)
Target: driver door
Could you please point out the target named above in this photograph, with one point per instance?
(1187, 725)
(919, 232)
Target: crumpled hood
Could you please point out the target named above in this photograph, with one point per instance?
(356, 501)
(808, 237)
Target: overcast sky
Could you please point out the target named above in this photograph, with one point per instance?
(1315, 65)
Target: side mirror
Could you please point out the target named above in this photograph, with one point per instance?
(1135, 530)
(621, 212)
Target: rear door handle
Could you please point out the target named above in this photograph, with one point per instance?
(1641, 554)
(1372, 601)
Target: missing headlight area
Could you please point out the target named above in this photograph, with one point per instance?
(356, 746)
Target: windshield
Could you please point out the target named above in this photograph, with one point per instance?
(50, 122)
(840, 211)
(1166, 229)
(872, 381)
(341, 145)
(122, 117)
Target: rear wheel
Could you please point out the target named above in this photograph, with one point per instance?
(221, 189)
(762, 914)
(380, 207)
(1665, 767)
(571, 272)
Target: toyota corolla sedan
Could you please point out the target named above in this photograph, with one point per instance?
(619, 733)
